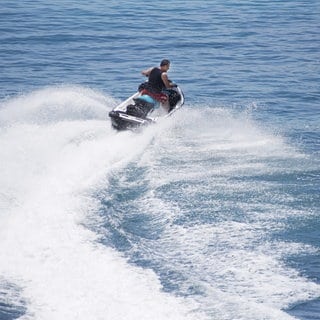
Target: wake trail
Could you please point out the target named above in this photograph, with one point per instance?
(56, 149)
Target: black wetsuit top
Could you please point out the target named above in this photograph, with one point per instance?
(155, 80)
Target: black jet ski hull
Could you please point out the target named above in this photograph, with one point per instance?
(122, 121)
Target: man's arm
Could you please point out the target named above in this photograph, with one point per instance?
(165, 80)
(146, 72)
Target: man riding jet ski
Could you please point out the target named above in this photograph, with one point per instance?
(159, 86)
(158, 91)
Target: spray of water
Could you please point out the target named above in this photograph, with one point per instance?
(59, 155)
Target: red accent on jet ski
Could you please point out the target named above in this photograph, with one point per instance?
(162, 97)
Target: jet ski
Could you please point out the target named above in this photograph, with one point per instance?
(144, 108)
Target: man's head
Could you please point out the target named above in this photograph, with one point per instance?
(165, 64)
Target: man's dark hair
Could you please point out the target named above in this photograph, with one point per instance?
(164, 62)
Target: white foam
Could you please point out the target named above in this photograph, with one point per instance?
(52, 104)
(53, 155)
(232, 265)
(57, 149)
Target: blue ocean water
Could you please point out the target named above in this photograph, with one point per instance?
(212, 214)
